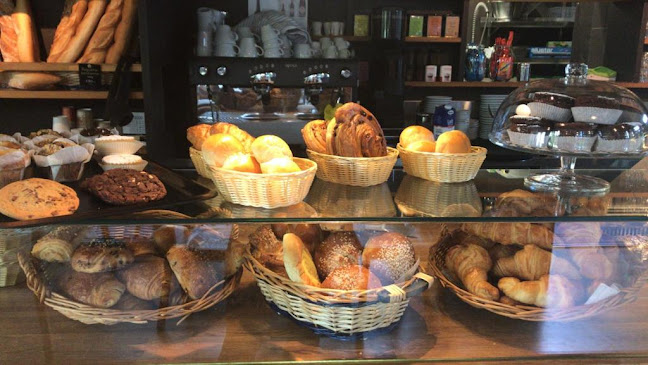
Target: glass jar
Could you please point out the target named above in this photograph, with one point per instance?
(475, 67)
(501, 64)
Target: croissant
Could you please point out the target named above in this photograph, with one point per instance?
(460, 237)
(524, 203)
(579, 233)
(58, 245)
(244, 137)
(592, 263)
(531, 263)
(197, 270)
(513, 233)
(148, 278)
(100, 290)
(470, 263)
(197, 135)
(314, 134)
(550, 291)
(498, 251)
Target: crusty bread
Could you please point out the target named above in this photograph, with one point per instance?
(30, 80)
(83, 32)
(8, 32)
(73, 13)
(104, 35)
(27, 47)
(123, 32)
(298, 261)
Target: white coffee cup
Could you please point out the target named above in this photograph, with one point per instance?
(209, 19)
(316, 45)
(316, 29)
(336, 28)
(273, 43)
(340, 43)
(224, 34)
(325, 42)
(245, 32)
(327, 28)
(303, 50)
(317, 52)
(344, 53)
(227, 50)
(341, 28)
(204, 46)
(269, 30)
(274, 52)
(249, 48)
(331, 52)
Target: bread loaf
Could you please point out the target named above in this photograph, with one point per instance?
(30, 80)
(104, 35)
(8, 32)
(83, 32)
(73, 13)
(123, 32)
(27, 45)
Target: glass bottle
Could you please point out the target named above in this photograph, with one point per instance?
(302, 8)
(475, 67)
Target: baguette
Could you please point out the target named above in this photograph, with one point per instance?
(8, 33)
(123, 32)
(73, 13)
(104, 35)
(26, 42)
(83, 32)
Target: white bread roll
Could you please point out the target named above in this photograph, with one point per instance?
(298, 261)
(218, 147)
(281, 165)
(268, 147)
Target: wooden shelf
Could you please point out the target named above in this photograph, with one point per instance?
(350, 38)
(62, 94)
(511, 85)
(432, 40)
(55, 67)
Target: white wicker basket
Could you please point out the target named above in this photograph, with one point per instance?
(443, 167)
(354, 171)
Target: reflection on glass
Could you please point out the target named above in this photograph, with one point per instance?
(418, 197)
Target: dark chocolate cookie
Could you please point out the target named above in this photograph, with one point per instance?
(125, 187)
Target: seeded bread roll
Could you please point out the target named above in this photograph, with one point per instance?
(389, 256)
(354, 277)
(340, 249)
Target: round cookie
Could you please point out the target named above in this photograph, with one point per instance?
(125, 186)
(37, 198)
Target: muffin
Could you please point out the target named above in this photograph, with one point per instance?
(625, 137)
(63, 160)
(132, 162)
(573, 137)
(117, 145)
(596, 109)
(13, 162)
(529, 131)
(552, 106)
(43, 132)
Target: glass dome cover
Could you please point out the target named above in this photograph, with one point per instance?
(572, 116)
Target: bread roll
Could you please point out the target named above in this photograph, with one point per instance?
(340, 249)
(101, 290)
(73, 13)
(453, 142)
(141, 246)
(244, 137)
(281, 165)
(103, 36)
(310, 234)
(354, 277)
(58, 245)
(298, 261)
(268, 147)
(267, 248)
(197, 271)
(242, 162)
(101, 256)
(83, 32)
(415, 133)
(167, 236)
(30, 80)
(148, 278)
(198, 134)
(123, 32)
(389, 255)
(422, 146)
(218, 147)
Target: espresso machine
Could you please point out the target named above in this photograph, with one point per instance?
(271, 96)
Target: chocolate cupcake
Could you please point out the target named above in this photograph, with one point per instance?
(573, 137)
(529, 131)
(552, 106)
(632, 112)
(618, 138)
(596, 109)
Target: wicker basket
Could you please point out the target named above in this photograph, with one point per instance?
(199, 163)
(12, 241)
(337, 313)
(526, 312)
(38, 283)
(355, 171)
(336, 200)
(443, 167)
(265, 190)
(418, 197)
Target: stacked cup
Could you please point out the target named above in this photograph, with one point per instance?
(329, 50)
(272, 43)
(208, 20)
(225, 42)
(342, 47)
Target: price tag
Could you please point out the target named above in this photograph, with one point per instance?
(90, 76)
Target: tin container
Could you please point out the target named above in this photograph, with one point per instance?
(524, 72)
(85, 119)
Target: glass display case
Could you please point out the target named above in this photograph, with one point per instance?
(500, 274)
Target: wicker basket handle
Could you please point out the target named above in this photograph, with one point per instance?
(422, 282)
(34, 282)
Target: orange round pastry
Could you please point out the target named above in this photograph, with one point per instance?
(354, 277)
(389, 255)
(340, 249)
(415, 133)
(242, 162)
(453, 142)
(422, 146)
(218, 147)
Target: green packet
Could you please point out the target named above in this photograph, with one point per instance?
(602, 71)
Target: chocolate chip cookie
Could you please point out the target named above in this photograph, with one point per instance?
(37, 198)
(125, 187)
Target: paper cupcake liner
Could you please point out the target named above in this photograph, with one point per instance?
(105, 148)
(63, 173)
(9, 176)
(550, 112)
(534, 140)
(596, 115)
(139, 166)
(572, 144)
(618, 145)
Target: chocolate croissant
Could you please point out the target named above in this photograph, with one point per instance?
(100, 290)
(149, 278)
(314, 134)
(58, 245)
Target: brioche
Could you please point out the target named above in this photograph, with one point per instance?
(422, 146)
(281, 165)
(218, 147)
(298, 261)
(453, 142)
(244, 137)
(413, 134)
(242, 162)
(268, 147)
